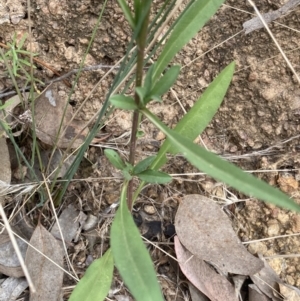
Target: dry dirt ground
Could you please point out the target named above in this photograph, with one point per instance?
(257, 126)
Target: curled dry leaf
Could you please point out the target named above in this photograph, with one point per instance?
(9, 262)
(205, 230)
(47, 277)
(215, 286)
(11, 288)
(51, 109)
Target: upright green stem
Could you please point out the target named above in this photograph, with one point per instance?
(141, 44)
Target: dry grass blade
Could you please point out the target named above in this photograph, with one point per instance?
(46, 277)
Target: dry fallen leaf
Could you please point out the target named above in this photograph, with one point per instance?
(196, 295)
(5, 169)
(11, 288)
(255, 294)
(68, 224)
(205, 230)
(49, 109)
(56, 162)
(215, 286)
(9, 262)
(267, 280)
(47, 277)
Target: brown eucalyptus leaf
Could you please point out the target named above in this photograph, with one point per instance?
(205, 230)
(50, 108)
(267, 280)
(5, 169)
(215, 286)
(196, 295)
(255, 294)
(47, 277)
(68, 223)
(56, 162)
(9, 262)
(11, 288)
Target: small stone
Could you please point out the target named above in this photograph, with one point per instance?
(273, 227)
(149, 209)
(160, 136)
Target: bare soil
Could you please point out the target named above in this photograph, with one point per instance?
(256, 127)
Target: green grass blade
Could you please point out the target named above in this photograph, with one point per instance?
(186, 28)
(127, 13)
(131, 256)
(96, 281)
(224, 171)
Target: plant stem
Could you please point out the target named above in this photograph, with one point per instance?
(141, 45)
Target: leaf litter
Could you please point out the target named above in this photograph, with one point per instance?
(54, 120)
(46, 276)
(206, 243)
(203, 276)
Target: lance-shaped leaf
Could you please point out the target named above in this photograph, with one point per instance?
(164, 83)
(114, 158)
(154, 176)
(222, 170)
(96, 281)
(123, 102)
(197, 119)
(143, 165)
(131, 256)
(192, 20)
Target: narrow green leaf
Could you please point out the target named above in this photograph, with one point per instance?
(141, 92)
(199, 116)
(154, 176)
(123, 102)
(96, 281)
(148, 78)
(222, 170)
(143, 165)
(127, 171)
(131, 256)
(114, 158)
(185, 29)
(127, 13)
(166, 81)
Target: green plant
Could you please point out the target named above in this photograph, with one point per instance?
(17, 57)
(128, 252)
